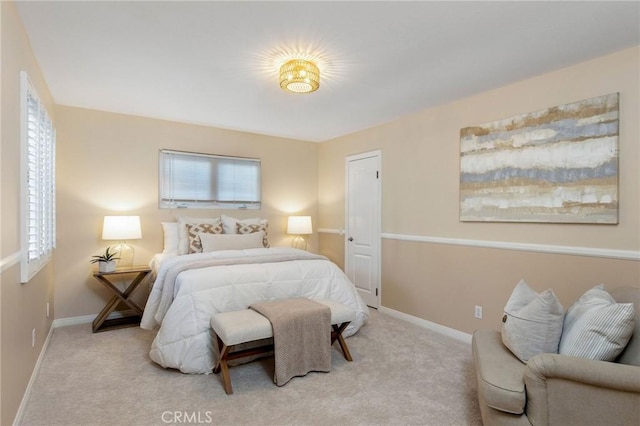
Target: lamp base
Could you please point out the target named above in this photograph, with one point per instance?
(299, 242)
(125, 253)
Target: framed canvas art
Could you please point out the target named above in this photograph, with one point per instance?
(558, 165)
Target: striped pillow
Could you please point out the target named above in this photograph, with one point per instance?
(596, 327)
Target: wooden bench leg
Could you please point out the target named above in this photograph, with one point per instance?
(226, 379)
(337, 335)
(221, 365)
(221, 347)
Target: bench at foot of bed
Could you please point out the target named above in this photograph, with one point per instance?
(238, 327)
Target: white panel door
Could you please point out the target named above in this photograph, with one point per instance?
(363, 205)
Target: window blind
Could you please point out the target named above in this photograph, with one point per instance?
(37, 182)
(194, 180)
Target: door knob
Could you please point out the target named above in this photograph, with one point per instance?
(350, 238)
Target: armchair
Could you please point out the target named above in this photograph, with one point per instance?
(556, 389)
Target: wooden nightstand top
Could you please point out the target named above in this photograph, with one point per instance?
(125, 270)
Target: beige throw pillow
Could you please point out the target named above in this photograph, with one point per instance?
(215, 242)
(532, 322)
(596, 327)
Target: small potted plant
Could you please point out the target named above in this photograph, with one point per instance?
(107, 261)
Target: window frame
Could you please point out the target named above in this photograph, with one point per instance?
(37, 189)
(166, 200)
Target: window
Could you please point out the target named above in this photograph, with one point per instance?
(191, 180)
(37, 186)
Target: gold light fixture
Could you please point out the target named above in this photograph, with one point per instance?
(299, 76)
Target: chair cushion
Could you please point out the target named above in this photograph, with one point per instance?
(500, 375)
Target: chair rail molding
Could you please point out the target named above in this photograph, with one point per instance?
(331, 231)
(504, 245)
(9, 261)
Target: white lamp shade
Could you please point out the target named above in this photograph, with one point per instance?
(121, 228)
(299, 225)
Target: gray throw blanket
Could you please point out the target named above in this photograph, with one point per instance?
(301, 336)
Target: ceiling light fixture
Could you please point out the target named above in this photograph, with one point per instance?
(299, 76)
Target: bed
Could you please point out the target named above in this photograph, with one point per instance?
(189, 289)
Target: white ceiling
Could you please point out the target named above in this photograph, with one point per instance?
(215, 63)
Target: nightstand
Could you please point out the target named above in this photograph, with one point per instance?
(101, 323)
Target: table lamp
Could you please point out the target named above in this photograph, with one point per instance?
(122, 228)
(299, 226)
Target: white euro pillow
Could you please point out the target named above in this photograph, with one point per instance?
(532, 322)
(183, 242)
(171, 238)
(216, 242)
(230, 224)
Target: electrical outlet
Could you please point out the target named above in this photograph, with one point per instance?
(33, 338)
(47, 309)
(478, 312)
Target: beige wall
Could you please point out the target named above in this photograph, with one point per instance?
(420, 179)
(108, 164)
(23, 306)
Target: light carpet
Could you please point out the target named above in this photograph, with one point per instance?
(401, 374)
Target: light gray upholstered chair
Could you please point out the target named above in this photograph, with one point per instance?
(553, 389)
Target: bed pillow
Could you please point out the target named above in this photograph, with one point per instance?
(183, 244)
(597, 327)
(230, 224)
(249, 228)
(171, 239)
(194, 231)
(532, 322)
(215, 242)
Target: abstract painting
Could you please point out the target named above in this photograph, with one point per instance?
(557, 165)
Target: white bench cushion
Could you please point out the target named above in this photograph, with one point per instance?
(339, 313)
(247, 325)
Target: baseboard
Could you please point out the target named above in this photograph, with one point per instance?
(450, 332)
(36, 369)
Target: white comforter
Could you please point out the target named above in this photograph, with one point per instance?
(183, 300)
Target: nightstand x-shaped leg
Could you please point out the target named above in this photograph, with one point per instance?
(119, 296)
